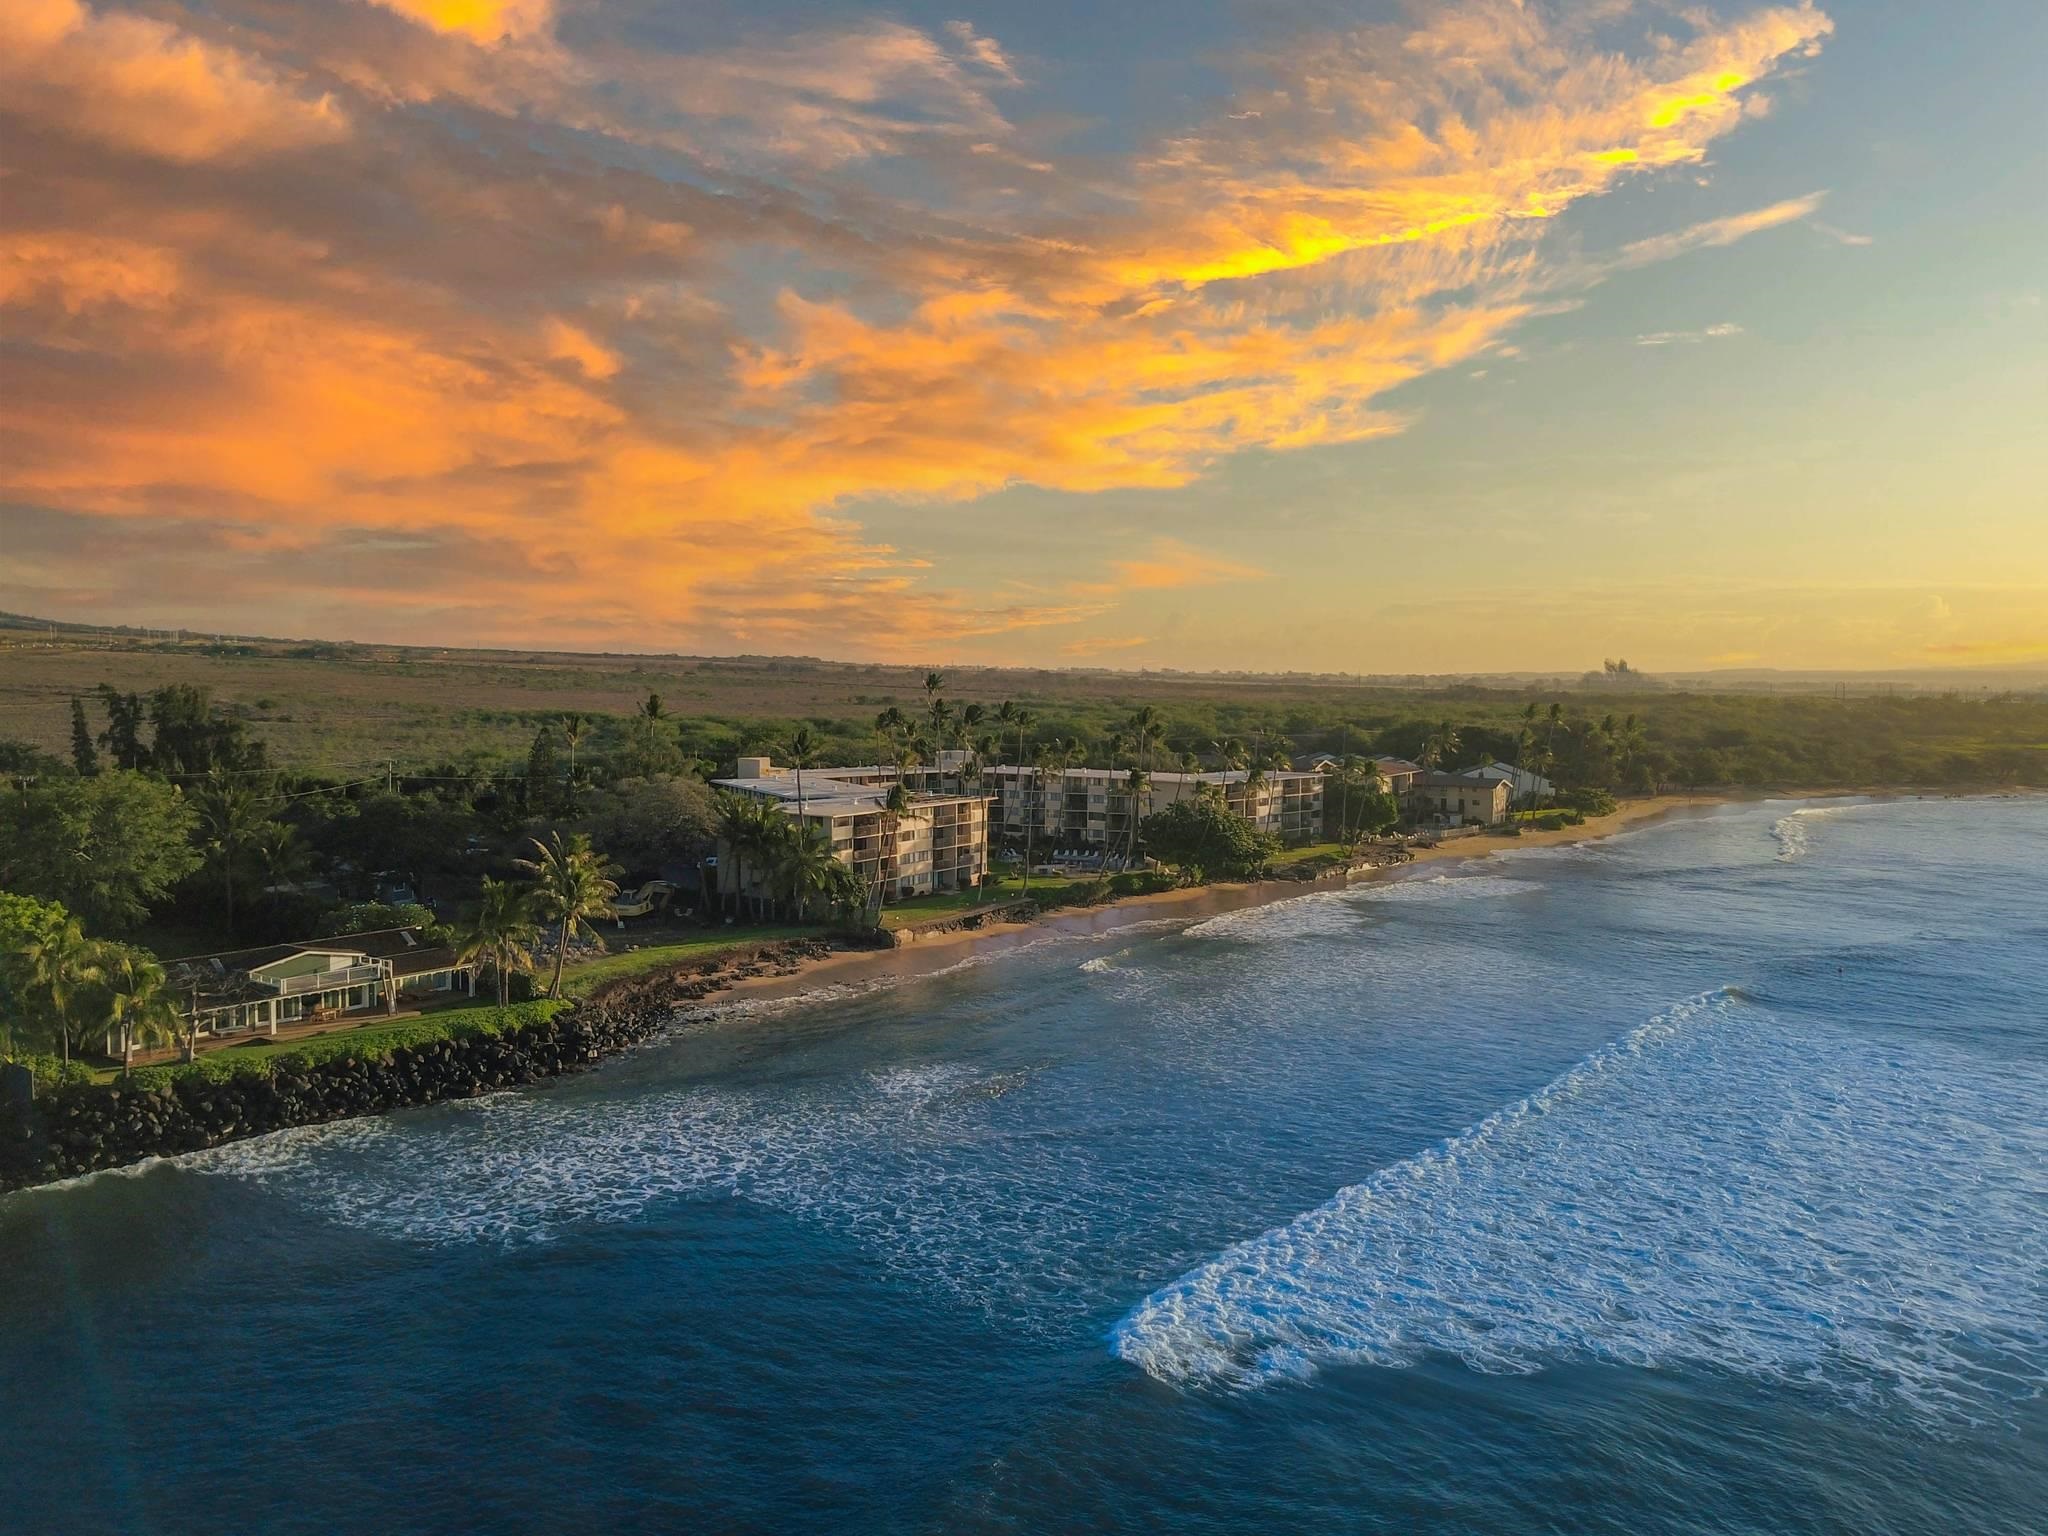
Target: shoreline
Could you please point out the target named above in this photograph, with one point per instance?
(82, 1131)
(940, 951)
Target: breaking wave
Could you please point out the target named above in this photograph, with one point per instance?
(1793, 832)
(1713, 1190)
(876, 1159)
(1325, 912)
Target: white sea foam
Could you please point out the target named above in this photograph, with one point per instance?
(1793, 832)
(877, 1158)
(1716, 1189)
(1099, 966)
(1327, 912)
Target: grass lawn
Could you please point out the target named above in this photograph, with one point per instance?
(578, 980)
(1289, 856)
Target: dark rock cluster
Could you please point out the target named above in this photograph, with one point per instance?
(80, 1129)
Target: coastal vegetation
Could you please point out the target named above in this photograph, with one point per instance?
(173, 821)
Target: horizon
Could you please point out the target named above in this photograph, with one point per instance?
(1397, 339)
(2020, 675)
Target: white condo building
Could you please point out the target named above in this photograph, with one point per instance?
(939, 844)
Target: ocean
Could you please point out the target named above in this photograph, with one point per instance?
(1692, 1180)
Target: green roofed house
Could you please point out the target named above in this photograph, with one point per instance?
(256, 990)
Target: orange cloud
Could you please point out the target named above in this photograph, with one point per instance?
(139, 85)
(1173, 564)
(376, 350)
(481, 21)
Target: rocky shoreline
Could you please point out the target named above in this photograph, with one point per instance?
(89, 1128)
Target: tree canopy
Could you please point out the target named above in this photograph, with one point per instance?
(1205, 841)
(108, 847)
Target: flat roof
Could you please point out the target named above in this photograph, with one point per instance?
(835, 797)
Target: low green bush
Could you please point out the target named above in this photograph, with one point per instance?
(53, 1071)
(1593, 802)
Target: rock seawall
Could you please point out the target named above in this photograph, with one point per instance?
(83, 1129)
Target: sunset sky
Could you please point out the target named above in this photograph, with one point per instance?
(1365, 337)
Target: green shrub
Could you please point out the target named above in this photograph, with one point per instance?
(1593, 802)
(53, 1071)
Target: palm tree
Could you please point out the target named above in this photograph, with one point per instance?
(502, 932)
(1629, 747)
(1136, 782)
(61, 961)
(231, 815)
(895, 806)
(1345, 778)
(279, 855)
(139, 1005)
(1254, 782)
(1035, 813)
(889, 725)
(571, 884)
(1442, 744)
(806, 864)
(1151, 733)
(1189, 764)
(934, 682)
(736, 819)
(573, 732)
(803, 751)
(972, 718)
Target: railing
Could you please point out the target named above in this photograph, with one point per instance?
(330, 981)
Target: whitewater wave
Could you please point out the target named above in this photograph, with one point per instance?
(1326, 912)
(876, 1158)
(1713, 1190)
(1793, 832)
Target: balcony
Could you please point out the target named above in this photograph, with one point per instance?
(330, 981)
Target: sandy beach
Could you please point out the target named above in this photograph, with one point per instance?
(925, 954)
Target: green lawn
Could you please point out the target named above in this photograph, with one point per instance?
(578, 980)
(1291, 856)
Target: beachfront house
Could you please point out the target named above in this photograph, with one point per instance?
(1091, 810)
(256, 990)
(1399, 773)
(1456, 799)
(939, 844)
(1526, 790)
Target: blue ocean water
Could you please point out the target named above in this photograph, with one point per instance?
(1695, 1180)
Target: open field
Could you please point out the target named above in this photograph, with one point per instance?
(336, 708)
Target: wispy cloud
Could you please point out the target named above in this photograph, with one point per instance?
(1689, 338)
(1715, 232)
(1171, 564)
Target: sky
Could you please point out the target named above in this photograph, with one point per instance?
(1271, 335)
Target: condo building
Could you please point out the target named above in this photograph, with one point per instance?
(939, 844)
(1092, 808)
